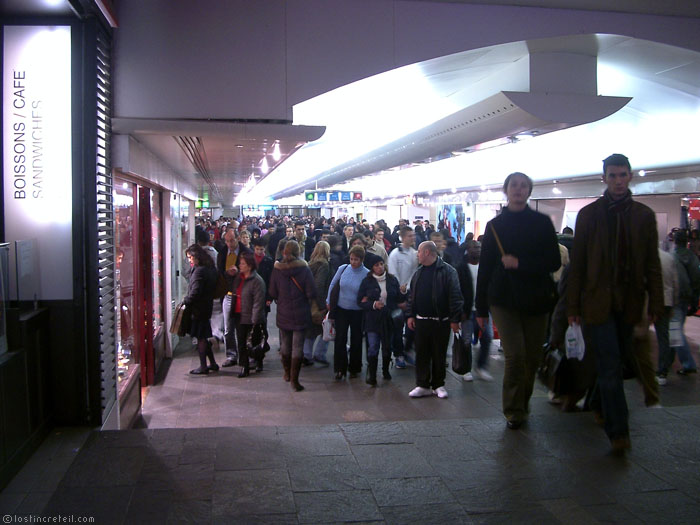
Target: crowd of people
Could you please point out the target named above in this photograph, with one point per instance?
(400, 293)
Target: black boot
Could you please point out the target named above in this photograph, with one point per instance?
(295, 368)
(243, 360)
(202, 345)
(213, 367)
(371, 378)
(286, 364)
(386, 361)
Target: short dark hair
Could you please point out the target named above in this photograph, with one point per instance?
(202, 237)
(404, 230)
(517, 174)
(258, 241)
(300, 223)
(567, 231)
(616, 159)
(358, 251)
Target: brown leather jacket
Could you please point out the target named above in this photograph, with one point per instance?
(590, 286)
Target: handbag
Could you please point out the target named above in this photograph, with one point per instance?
(328, 328)
(397, 318)
(335, 293)
(461, 355)
(256, 342)
(181, 322)
(551, 371)
(317, 313)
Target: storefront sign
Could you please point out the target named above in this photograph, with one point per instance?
(37, 150)
(694, 209)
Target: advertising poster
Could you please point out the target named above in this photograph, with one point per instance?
(451, 218)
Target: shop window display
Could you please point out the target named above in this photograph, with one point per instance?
(125, 214)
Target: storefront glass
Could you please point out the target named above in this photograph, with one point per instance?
(126, 277)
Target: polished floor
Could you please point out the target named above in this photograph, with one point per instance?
(220, 449)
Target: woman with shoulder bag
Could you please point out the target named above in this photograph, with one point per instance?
(519, 253)
(199, 300)
(248, 308)
(292, 286)
(379, 295)
(320, 269)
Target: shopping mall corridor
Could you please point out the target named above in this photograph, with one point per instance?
(220, 449)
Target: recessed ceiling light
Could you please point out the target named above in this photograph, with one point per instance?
(239, 145)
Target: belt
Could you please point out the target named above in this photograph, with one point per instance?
(431, 318)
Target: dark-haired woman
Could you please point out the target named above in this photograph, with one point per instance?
(378, 296)
(518, 255)
(249, 308)
(199, 299)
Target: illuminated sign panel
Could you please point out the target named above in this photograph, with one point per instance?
(37, 146)
(321, 196)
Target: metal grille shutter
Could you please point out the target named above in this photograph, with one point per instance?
(105, 226)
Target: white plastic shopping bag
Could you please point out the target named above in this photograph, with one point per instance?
(328, 329)
(575, 347)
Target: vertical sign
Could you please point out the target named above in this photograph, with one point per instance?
(38, 199)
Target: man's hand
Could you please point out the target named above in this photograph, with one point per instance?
(455, 327)
(510, 262)
(411, 323)
(378, 305)
(574, 319)
(402, 288)
(653, 318)
(232, 271)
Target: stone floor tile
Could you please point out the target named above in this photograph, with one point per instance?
(105, 506)
(375, 433)
(325, 473)
(256, 492)
(316, 444)
(391, 461)
(413, 491)
(432, 514)
(336, 507)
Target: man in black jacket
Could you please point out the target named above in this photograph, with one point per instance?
(435, 306)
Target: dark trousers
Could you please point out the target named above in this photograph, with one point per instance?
(344, 320)
(431, 339)
(611, 341)
(242, 331)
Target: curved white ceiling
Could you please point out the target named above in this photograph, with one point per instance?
(367, 118)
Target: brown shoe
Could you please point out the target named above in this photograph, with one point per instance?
(620, 444)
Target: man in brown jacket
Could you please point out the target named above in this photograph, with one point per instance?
(614, 266)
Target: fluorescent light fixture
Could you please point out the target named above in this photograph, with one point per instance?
(264, 166)
(556, 191)
(276, 153)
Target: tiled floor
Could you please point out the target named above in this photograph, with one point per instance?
(220, 449)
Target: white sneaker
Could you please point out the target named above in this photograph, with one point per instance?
(482, 374)
(419, 391)
(468, 377)
(441, 392)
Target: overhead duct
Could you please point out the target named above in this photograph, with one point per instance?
(504, 114)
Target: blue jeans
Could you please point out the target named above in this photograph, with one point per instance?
(666, 353)
(321, 348)
(374, 341)
(611, 341)
(684, 355)
(470, 327)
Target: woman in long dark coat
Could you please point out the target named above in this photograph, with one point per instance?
(199, 299)
(292, 286)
